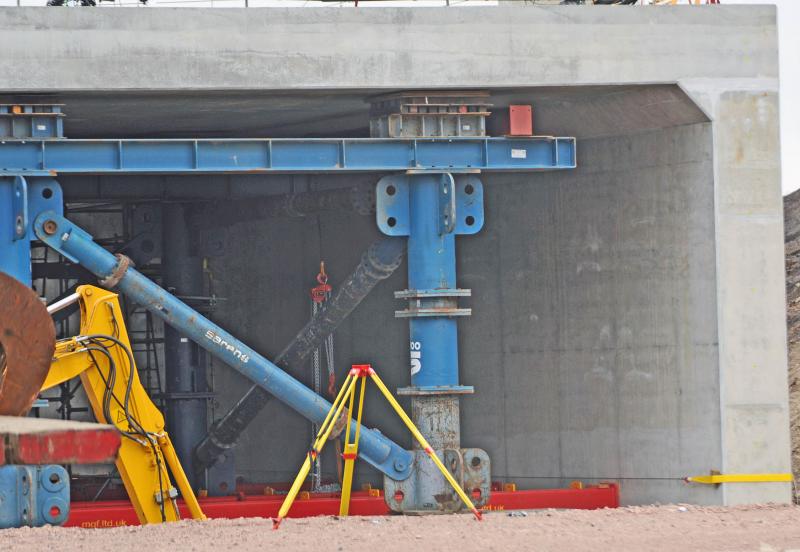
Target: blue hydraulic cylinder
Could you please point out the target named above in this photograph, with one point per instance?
(77, 245)
(431, 266)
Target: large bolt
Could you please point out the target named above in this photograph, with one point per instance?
(50, 227)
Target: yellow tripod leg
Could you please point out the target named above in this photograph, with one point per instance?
(339, 397)
(351, 450)
(322, 437)
(424, 444)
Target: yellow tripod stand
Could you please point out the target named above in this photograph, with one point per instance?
(347, 393)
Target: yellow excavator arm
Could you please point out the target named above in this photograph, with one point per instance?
(101, 356)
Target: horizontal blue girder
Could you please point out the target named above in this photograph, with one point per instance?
(285, 155)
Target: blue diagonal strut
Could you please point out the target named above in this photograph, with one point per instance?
(78, 246)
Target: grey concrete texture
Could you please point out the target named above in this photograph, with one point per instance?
(749, 222)
(629, 316)
(48, 50)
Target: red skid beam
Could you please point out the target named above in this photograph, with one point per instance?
(44, 441)
(115, 513)
(588, 498)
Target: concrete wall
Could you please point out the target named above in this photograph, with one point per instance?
(636, 330)
(280, 49)
(593, 343)
(602, 318)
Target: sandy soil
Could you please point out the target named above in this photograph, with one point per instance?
(637, 529)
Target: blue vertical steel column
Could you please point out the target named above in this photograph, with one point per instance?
(431, 210)
(29, 495)
(15, 250)
(20, 196)
(77, 245)
(184, 361)
(431, 266)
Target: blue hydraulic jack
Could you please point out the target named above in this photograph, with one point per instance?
(432, 209)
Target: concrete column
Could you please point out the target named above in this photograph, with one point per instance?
(751, 299)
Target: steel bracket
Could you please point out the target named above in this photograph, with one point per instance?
(21, 199)
(471, 467)
(19, 207)
(447, 204)
(460, 204)
(33, 495)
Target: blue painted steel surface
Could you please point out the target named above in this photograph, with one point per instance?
(33, 496)
(20, 199)
(431, 209)
(77, 245)
(392, 210)
(285, 155)
(431, 265)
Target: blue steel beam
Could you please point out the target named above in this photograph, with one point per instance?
(78, 246)
(285, 155)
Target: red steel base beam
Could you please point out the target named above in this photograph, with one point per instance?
(45, 441)
(115, 513)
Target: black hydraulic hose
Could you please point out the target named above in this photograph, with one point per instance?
(378, 263)
(96, 345)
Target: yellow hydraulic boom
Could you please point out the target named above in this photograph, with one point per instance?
(101, 356)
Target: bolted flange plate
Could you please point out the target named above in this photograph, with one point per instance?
(427, 491)
(464, 216)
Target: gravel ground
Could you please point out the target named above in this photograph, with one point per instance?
(765, 528)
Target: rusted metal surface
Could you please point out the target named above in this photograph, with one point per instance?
(477, 481)
(436, 415)
(427, 492)
(27, 337)
(114, 278)
(432, 302)
(434, 311)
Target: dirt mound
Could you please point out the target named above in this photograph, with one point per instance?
(791, 217)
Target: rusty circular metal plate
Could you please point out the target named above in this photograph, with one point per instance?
(27, 340)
